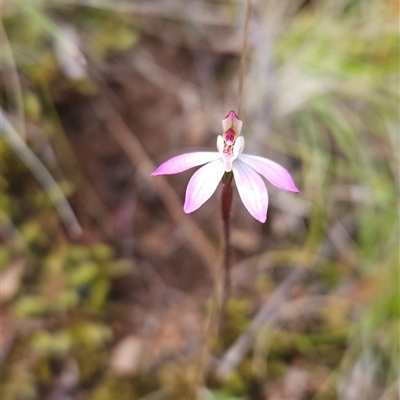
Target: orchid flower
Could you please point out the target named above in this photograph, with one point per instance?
(229, 158)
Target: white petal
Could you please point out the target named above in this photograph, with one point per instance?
(185, 161)
(228, 160)
(251, 190)
(271, 171)
(239, 146)
(202, 185)
(220, 144)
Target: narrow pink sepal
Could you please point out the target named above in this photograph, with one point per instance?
(202, 185)
(271, 171)
(252, 190)
(184, 162)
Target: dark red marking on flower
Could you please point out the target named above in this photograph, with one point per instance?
(230, 137)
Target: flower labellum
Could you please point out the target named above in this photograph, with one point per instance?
(246, 171)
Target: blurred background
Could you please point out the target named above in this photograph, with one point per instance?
(107, 286)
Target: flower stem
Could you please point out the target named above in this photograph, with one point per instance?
(226, 202)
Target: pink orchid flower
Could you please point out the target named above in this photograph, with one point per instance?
(246, 169)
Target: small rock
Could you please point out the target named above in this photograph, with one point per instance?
(126, 356)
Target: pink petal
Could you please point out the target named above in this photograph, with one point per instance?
(251, 190)
(185, 161)
(271, 171)
(202, 185)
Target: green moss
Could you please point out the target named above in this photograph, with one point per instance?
(35, 236)
(111, 388)
(221, 395)
(32, 106)
(181, 380)
(275, 369)
(236, 320)
(83, 274)
(122, 37)
(102, 252)
(5, 204)
(328, 346)
(29, 306)
(99, 292)
(51, 344)
(235, 384)
(330, 275)
(4, 257)
(90, 334)
(91, 361)
(20, 385)
(77, 254)
(42, 371)
(66, 300)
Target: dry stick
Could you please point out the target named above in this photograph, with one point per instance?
(11, 79)
(39, 170)
(134, 150)
(176, 11)
(243, 53)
